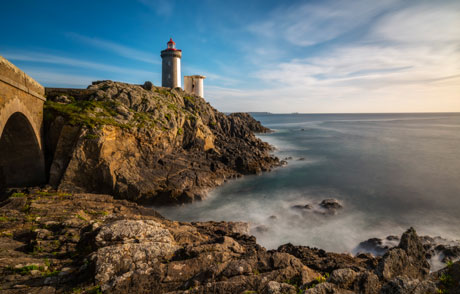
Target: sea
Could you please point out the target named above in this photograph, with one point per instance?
(389, 171)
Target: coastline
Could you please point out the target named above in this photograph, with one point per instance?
(59, 242)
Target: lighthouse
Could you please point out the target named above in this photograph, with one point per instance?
(170, 75)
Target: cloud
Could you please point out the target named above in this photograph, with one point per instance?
(406, 59)
(118, 49)
(73, 62)
(313, 23)
(427, 22)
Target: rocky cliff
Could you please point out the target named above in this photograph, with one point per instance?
(52, 242)
(147, 144)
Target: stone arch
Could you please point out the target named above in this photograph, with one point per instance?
(21, 156)
(16, 105)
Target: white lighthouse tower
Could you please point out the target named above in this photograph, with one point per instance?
(170, 74)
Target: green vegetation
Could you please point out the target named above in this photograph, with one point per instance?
(95, 290)
(163, 92)
(91, 114)
(25, 270)
(80, 217)
(190, 99)
(49, 273)
(18, 195)
(3, 219)
(180, 131)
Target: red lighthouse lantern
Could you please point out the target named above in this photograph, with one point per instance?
(171, 45)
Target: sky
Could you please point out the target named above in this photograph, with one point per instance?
(318, 56)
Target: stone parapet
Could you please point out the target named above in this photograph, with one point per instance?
(13, 76)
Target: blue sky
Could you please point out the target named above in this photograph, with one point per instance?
(277, 56)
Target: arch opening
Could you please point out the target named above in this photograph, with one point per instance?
(21, 159)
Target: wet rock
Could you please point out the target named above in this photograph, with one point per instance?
(302, 206)
(330, 204)
(261, 229)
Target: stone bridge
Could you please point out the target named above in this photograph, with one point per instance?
(21, 127)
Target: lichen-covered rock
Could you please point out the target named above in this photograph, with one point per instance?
(147, 144)
(343, 278)
(404, 285)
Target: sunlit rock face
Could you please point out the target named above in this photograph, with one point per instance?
(148, 144)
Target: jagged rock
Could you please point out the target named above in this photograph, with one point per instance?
(408, 259)
(367, 283)
(157, 146)
(377, 246)
(404, 285)
(327, 262)
(248, 120)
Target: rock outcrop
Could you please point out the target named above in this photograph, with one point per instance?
(147, 144)
(52, 242)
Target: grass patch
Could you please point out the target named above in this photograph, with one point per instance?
(18, 195)
(25, 270)
(91, 114)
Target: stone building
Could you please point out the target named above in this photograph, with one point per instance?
(194, 85)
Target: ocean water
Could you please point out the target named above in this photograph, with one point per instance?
(390, 172)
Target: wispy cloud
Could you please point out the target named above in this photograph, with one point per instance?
(73, 62)
(118, 49)
(59, 79)
(312, 23)
(406, 57)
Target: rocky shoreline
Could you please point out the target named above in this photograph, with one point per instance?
(53, 242)
(143, 144)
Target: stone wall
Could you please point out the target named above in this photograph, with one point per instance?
(21, 124)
